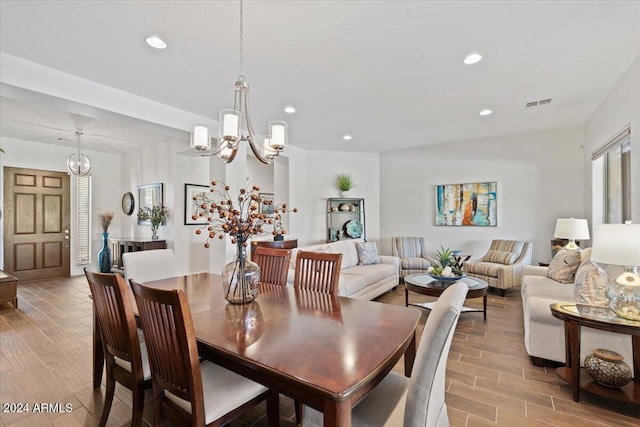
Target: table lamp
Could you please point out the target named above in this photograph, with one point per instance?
(571, 229)
(619, 244)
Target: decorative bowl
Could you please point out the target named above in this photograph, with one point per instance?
(354, 228)
(449, 279)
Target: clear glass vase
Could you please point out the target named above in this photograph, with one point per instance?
(240, 278)
(624, 294)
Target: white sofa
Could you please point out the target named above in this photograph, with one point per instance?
(544, 334)
(356, 281)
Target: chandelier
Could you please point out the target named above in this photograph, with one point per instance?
(232, 121)
(79, 164)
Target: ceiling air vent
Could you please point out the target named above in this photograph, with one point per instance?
(540, 103)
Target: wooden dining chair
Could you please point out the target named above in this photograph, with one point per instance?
(126, 358)
(317, 271)
(185, 391)
(419, 400)
(274, 265)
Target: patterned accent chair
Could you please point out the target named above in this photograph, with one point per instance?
(413, 257)
(501, 266)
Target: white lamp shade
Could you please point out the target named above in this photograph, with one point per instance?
(617, 244)
(226, 152)
(229, 125)
(200, 138)
(278, 135)
(572, 229)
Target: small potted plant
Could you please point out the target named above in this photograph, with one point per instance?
(157, 215)
(345, 184)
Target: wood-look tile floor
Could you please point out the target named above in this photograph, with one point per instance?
(45, 358)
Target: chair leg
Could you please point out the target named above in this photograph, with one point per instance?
(108, 398)
(138, 405)
(299, 411)
(273, 408)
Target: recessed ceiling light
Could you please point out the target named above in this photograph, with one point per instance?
(156, 42)
(347, 137)
(485, 112)
(289, 109)
(472, 58)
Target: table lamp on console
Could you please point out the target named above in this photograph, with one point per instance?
(571, 229)
(619, 244)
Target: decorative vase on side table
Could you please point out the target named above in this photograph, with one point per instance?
(104, 256)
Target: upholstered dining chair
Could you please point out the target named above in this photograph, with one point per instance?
(145, 266)
(318, 271)
(412, 254)
(125, 356)
(274, 265)
(419, 400)
(185, 391)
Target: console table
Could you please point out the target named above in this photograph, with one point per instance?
(8, 289)
(604, 319)
(132, 244)
(275, 244)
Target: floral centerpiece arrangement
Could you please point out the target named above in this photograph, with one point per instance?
(240, 217)
(157, 215)
(104, 256)
(446, 266)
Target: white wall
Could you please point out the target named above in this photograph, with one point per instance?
(105, 182)
(322, 169)
(539, 179)
(619, 109)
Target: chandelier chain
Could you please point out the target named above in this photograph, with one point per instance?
(241, 38)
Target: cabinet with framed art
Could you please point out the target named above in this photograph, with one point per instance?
(345, 219)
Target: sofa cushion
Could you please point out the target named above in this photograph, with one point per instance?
(352, 283)
(563, 266)
(367, 253)
(500, 257)
(488, 269)
(542, 286)
(371, 273)
(539, 310)
(591, 284)
(414, 263)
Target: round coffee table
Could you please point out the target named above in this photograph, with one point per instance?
(426, 285)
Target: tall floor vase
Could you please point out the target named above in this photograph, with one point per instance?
(104, 256)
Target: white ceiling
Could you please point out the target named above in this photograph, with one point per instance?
(390, 73)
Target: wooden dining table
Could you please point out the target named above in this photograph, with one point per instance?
(322, 350)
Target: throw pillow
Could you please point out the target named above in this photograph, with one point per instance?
(563, 266)
(591, 284)
(367, 253)
(500, 257)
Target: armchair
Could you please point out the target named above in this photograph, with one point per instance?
(501, 266)
(413, 257)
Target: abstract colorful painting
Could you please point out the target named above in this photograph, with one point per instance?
(467, 204)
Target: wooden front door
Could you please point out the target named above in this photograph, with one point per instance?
(36, 224)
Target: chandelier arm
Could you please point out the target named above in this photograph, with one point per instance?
(257, 151)
(259, 155)
(232, 156)
(218, 148)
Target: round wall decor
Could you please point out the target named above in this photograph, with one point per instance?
(128, 203)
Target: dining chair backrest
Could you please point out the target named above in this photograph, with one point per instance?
(145, 266)
(318, 271)
(115, 317)
(425, 405)
(126, 361)
(274, 265)
(173, 354)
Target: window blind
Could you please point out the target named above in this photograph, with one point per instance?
(83, 220)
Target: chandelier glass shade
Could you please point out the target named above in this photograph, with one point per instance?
(79, 164)
(232, 123)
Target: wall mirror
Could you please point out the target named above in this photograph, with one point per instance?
(149, 195)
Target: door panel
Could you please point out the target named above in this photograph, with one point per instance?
(37, 212)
